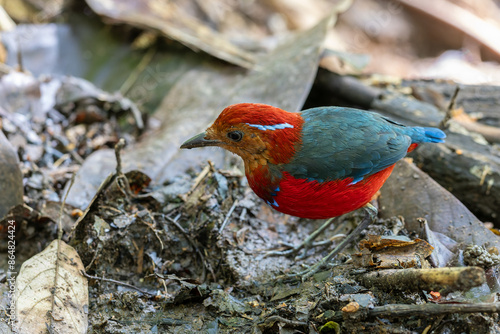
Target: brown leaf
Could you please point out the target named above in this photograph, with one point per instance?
(50, 291)
(167, 18)
(413, 194)
(392, 253)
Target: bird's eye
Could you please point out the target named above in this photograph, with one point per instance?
(235, 135)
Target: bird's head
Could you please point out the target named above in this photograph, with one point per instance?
(258, 133)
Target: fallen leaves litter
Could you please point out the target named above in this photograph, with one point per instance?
(50, 291)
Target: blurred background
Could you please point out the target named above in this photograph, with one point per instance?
(457, 40)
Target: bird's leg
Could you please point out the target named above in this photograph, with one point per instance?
(306, 244)
(371, 214)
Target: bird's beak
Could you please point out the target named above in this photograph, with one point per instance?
(199, 141)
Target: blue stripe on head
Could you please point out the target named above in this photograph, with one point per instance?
(280, 126)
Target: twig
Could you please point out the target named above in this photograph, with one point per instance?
(428, 309)
(457, 278)
(275, 318)
(200, 177)
(226, 220)
(120, 177)
(96, 253)
(59, 224)
(153, 229)
(118, 148)
(449, 112)
(102, 279)
(162, 321)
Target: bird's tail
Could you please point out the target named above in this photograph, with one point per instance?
(427, 135)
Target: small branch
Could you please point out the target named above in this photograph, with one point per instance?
(121, 180)
(200, 178)
(118, 148)
(226, 220)
(102, 279)
(153, 229)
(449, 112)
(428, 309)
(450, 279)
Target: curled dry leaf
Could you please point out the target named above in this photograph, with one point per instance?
(392, 253)
(52, 293)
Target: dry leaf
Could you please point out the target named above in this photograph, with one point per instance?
(351, 307)
(392, 253)
(424, 198)
(445, 248)
(169, 19)
(35, 284)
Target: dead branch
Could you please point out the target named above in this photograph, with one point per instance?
(450, 279)
(429, 309)
(102, 279)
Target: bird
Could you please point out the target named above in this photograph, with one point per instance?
(318, 163)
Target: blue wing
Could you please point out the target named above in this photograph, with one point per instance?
(338, 143)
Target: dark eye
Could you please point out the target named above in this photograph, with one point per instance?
(235, 135)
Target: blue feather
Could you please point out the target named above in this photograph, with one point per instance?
(280, 126)
(434, 135)
(339, 143)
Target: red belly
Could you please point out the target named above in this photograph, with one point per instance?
(311, 199)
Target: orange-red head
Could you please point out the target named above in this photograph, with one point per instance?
(258, 133)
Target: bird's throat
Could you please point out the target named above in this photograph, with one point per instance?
(263, 180)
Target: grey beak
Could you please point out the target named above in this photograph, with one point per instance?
(199, 141)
